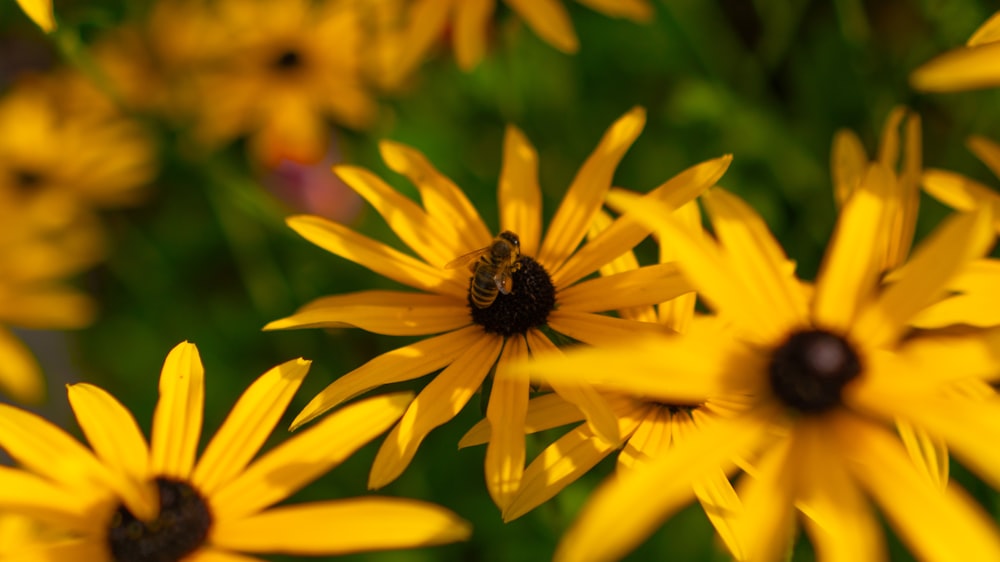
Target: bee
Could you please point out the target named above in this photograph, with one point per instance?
(491, 268)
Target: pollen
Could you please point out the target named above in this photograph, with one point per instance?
(180, 528)
(531, 299)
(810, 370)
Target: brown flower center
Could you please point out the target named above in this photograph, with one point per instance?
(809, 371)
(531, 299)
(179, 529)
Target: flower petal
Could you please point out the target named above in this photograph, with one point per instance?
(586, 194)
(848, 162)
(965, 68)
(651, 438)
(598, 329)
(506, 413)
(303, 458)
(437, 403)
(44, 500)
(594, 406)
(958, 191)
(442, 198)
(40, 11)
(637, 10)
(361, 524)
(853, 257)
(757, 257)
(118, 442)
(987, 151)
(936, 524)
(627, 231)
(627, 508)
(470, 31)
(392, 313)
(47, 307)
(557, 466)
(544, 412)
(836, 514)
(398, 365)
(625, 262)
(766, 526)
(415, 228)
(248, 425)
(378, 257)
(678, 313)
(20, 375)
(958, 241)
(209, 554)
(648, 285)
(66, 549)
(928, 453)
(520, 197)
(550, 20)
(178, 415)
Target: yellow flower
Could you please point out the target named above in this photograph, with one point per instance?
(289, 65)
(424, 23)
(56, 166)
(976, 65)
(546, 293)
(129, 501)
(40, 11)
(826, 372)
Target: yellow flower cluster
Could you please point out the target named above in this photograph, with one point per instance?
(828, 405)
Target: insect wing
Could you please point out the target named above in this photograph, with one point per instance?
(504, 281)
(466, 259)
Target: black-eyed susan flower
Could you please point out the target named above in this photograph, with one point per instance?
(56, 166)
(546, 292)
(976, 65)
(40, 11)
(424, 23)
(825, 371)
(126, 500)
(287, 68)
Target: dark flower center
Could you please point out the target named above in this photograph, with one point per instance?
(179, 529)
(27, 181)
(531, 299)
(289, 59)
(809, 371)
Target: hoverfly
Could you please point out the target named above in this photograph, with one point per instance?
(491, 268)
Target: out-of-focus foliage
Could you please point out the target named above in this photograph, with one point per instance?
(203, 255)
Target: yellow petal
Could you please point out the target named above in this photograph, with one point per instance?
(722, 507)
(625, 262)
(627, 508)
(506, 413)
(178, 414)
(441, 197)
(853, 257)
(418, 230)
(392, 313)
(644, 286)
(936, 524)
(309, 454)
(757, 257)
(678, 313)
(118, 442)
(848, 162)
(625, 232)
(472, 19)
(957, 191)
(47, 450)
(544, 412)
(20, 375)
(965, 68)
(637, 10)
(987, 151)
(40, 11)
(989, 32)
(248, 425)
(888, 150)
(836, 514)
(208, 554)
(550, 20)
(651, 438)
(376, 256)
(959, 240)
(594, 406)
(342, 527)
(426, 21)
(437, 403)
(597, 329)
(586, 194)
(519, 194)
(403, 364)
(929, 453)
(557, 466)
(907, 192)
(978, 309)
(44, 500)
(46, 307)
(766, 525)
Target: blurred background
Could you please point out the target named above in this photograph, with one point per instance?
(154, 148)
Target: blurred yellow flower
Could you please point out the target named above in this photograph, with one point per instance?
(826, 372)
(56, 166)
(424, 22)
(127, 501)
(286, 66)
(976, 65)
(547, 292)
(41, 12)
